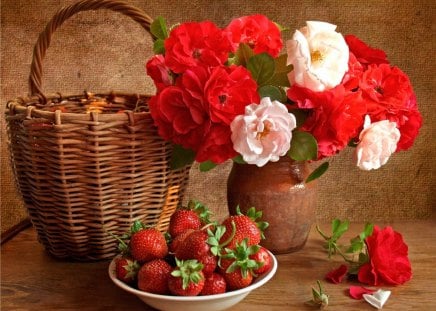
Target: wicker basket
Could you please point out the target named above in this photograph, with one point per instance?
(89, 164)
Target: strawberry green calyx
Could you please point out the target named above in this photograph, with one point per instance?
(189, 270)
(202, 211)
(214, 238)
(132, 267)
(255, 215)
(138, 226)
(240, 256)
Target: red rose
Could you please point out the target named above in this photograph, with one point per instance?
(364, 53)
(258, 32)
(159, 72)
(389, 96)
(217, 146)
(192, 44)
(352, 77)
(388, 259)
(335, 116)
(176, 121)
(228, 91)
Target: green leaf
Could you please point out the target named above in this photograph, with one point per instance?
(318, 172)
(207, 166)
(181, 157)
(303, 146)
(280, 77)
(339, 228)
(243, 54)
(158, 47)
(158, 28)
(262, 68)
(367, 231)
(273, 92)
(300, 115)
(239, 159)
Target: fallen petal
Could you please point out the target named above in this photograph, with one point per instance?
(335, 276)
(377, 299)
(356, 292)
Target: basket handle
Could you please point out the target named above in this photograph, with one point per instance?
(61, 16)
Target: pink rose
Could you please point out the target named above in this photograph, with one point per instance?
(264, 133)
(319, 56)
(377, 142)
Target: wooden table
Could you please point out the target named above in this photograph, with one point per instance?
(32, 280)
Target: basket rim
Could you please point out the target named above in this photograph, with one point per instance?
(21, 105)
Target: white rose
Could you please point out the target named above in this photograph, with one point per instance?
(264, 133)
(378, 141)
(319, 56)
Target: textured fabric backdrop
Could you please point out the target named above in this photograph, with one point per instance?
(107, 51)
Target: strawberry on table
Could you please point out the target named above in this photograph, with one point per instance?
(187, 279)
(126, 269)
(153, 276)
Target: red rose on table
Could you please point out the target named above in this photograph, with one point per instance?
(388, 259)
(192, 44)
(260, 33)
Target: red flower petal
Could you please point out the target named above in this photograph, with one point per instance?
(335, 276)
(356, 292)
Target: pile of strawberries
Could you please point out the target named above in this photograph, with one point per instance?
(196, 256)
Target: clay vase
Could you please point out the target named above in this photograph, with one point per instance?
(278, 190)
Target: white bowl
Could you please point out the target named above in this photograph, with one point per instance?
(195, 303)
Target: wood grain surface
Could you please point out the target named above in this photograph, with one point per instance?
(32, 280)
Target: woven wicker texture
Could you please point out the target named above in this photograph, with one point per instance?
(111, 55)
(90, 164)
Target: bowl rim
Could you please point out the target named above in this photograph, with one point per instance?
(261, 280)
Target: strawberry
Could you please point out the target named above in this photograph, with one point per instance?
(237, 280)
(214, 284)
(239, 227)
(237, 267)
(177, 241)
(263, 258)
(147, 244)
(193, 246)
(203, 246)
(182, 220)
(186, 279)
(153, 276)
(126, 269)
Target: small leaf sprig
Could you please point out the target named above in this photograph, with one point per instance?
(355, 253)
(320, 298)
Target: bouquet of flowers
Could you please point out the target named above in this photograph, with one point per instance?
(229, 93)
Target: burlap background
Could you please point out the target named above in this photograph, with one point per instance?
(104, 51)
